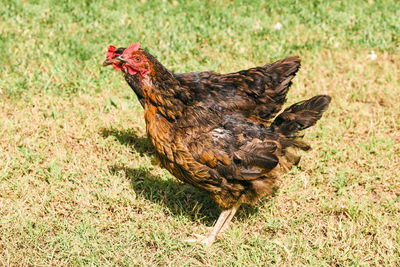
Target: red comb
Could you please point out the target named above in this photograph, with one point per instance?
(111, 50)
(132, 48)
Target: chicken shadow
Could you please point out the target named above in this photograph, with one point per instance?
(179, 199)
(130, 138)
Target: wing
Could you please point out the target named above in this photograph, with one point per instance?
(237, 150)
(257, 93)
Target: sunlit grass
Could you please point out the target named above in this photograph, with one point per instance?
(77, 186)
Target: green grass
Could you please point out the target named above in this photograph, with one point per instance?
(77, 186)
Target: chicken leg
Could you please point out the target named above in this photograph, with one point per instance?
(220, 226)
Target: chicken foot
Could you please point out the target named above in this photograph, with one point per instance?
(220, 226)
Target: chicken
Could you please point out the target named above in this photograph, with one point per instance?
(213, 131)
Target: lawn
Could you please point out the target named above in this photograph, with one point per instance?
(77, 183)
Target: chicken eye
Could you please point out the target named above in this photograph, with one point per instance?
(137, 59)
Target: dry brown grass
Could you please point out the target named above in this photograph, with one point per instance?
(77, 185)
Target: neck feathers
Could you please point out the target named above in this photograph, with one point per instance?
(162, 90)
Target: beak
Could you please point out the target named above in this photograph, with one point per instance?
(107, 62)
(116, 60)
(119, 59)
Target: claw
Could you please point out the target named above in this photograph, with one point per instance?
(206, 240)
(195, 238)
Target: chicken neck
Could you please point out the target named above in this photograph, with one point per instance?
(161, 89)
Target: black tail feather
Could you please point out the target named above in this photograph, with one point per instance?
(283, 69)
(301, 115)
(282, 72)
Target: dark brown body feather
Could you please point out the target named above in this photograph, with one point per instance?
(212, 131)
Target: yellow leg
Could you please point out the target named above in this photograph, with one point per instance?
(222, 223)
(229, 219)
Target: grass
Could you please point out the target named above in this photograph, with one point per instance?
(77, 186)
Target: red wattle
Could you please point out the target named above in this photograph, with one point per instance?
(131, 71)
(116, 67)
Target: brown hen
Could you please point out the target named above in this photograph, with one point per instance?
(213, 130)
